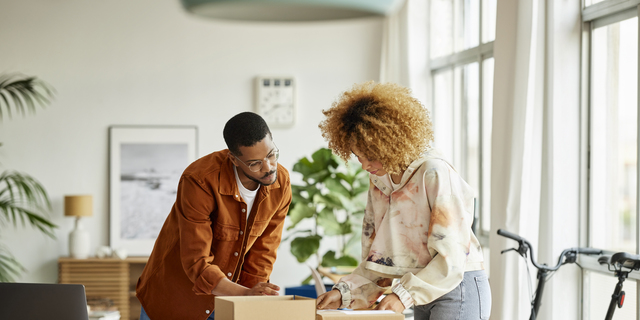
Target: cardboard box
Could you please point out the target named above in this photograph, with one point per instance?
(265, 308)
(357, 315)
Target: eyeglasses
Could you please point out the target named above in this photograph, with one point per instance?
(257, 165)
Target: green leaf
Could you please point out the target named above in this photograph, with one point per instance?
(317, 169)
(299, 212)
(319, 176)
(328, 200)
(329, 260)
(10, 268)
(327, 220)
(297, 189)
(330, 224)
(335, 186)
(306, 192)
(350, 205)
(360, 189)
(348, 178)
(304, 167)
(300, 194)
(353, 243)
(296, 198)
(312, 191)
(323, 158)
(20, 92)
(24, 199)
(304, 247)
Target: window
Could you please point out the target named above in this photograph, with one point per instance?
(613, 136)
(461, 63)
(611, 151)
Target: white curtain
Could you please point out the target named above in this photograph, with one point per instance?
(394, 58)
(518, 97)
(404, 47)
(535, 155)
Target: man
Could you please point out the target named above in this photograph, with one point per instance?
(224, 229)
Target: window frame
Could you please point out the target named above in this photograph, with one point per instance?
(598, 15)
(478, 54)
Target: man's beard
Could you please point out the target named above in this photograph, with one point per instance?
(266, 175)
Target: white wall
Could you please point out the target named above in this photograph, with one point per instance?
(149, 62)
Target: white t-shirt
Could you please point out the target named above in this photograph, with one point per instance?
(386, 179)
(248, 195)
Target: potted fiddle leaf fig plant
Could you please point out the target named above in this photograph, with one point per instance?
(22, 198)
(333, 196)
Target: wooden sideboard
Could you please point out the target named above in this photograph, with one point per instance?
(111, 278)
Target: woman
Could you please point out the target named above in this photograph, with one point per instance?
(417, 223)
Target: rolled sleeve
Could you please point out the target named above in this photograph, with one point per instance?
(345, 292)
(403, 294)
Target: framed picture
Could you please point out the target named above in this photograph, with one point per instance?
(145, 165)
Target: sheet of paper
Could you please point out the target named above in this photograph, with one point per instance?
(359, 311)
(369, 312)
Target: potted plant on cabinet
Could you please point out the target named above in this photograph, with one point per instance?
(332, 195)
(22, 198)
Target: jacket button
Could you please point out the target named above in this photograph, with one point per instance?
(229, 274)
(207, 311)
(235, 254)
(243, 210)
(241, 232)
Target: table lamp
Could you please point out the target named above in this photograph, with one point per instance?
(78, 206)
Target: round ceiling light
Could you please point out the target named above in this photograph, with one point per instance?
(289, 10)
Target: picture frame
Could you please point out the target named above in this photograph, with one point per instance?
(145, 165)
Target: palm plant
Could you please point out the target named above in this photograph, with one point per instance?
(22, 198)
(22, 93)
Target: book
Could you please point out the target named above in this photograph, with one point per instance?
(104, 315)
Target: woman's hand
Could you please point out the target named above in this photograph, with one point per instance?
(391, 302)
(330, 300)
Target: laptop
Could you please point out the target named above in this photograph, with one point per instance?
(37, 301)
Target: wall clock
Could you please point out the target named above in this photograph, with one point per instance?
(275, 100)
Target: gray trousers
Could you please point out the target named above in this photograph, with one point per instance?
(471, 300)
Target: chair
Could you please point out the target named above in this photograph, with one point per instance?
(317, 278)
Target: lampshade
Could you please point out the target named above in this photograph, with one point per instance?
(290, 10)
(78, 206)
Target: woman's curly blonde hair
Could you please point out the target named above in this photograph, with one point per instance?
(383, 121)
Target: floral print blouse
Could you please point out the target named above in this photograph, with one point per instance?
(419, 232)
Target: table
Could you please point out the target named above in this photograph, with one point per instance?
(111, 278)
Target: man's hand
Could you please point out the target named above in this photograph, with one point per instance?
(227, 288)
(263, 289)
(329, 300)
(391, 302)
